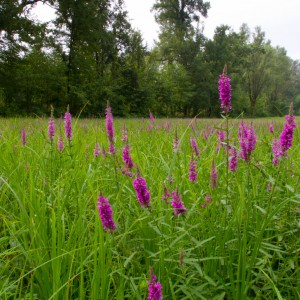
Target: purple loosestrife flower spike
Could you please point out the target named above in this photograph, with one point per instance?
(194, 145)
(225, 91)
(166, 194)
(24, 138)
(271, 128)
(106, 214)
(124, 134)
(127, 157)
(286, 137)
(213, 175)
(151, 118)
(247, 139)
(109, 124)
(51, 128)
(177, 203)
(208, 198)
(168, 124)
(193, 170)
(154, 288)
(125, 171)
(207, 201)
(142, 192)
(221, 137)
(112, 149)
(68, 125)
(233, 159)
(285, 141)
(110, 129)
(96, 150)
(60, 144)
(176, 142)
(277, 152)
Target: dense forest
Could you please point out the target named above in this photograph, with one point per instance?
(90, 54)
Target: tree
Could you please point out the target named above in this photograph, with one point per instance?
(180, 42)
(258, 67)
(230, 48)
(178, 33)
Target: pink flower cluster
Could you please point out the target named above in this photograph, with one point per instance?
(285, 141)
(194, 146)
(127, 157)
(247, 139)
(110, 129)
(142, 191)
(24, 138)
(225, 92)
(96, 150)
(154, 288)
(51, 129)
(213, 175)
(233, 159)
(105, 213)
(68, 125)
(193, 171)
(177, 203)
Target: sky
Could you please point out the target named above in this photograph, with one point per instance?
(279, 19)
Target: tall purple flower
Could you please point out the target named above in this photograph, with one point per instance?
(233, 159)
(207, 200)
(194, 145)
(286, 137)
(24, 137)
(60, 144)
(127, 157)
(192, 126)
(221, 135)
(168, 124)
(68, 125)
(109, 124)
(96, 150)
(106, 214)
(225, 91)
(112, 149)
(151, 118)
(271, 128)
(205, 134)
(247, 139)
(176, 142)
(193, 171)
(110, 129)
(277, 152)
(213, 175)
(51, 129)
(177, 203)
(124, 134)
(285, 141)
(154, 288)
(166, 194)
(221, 138)
(142, 192)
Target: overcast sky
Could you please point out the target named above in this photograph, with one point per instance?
(279, 19)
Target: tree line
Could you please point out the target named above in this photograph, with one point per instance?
(90, 54)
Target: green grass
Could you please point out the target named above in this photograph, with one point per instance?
(243, 245)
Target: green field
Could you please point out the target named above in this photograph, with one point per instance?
(242, 244)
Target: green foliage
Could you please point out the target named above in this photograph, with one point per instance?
(242, 245)
(90, 54)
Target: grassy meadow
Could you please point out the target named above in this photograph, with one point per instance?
(236, 240)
